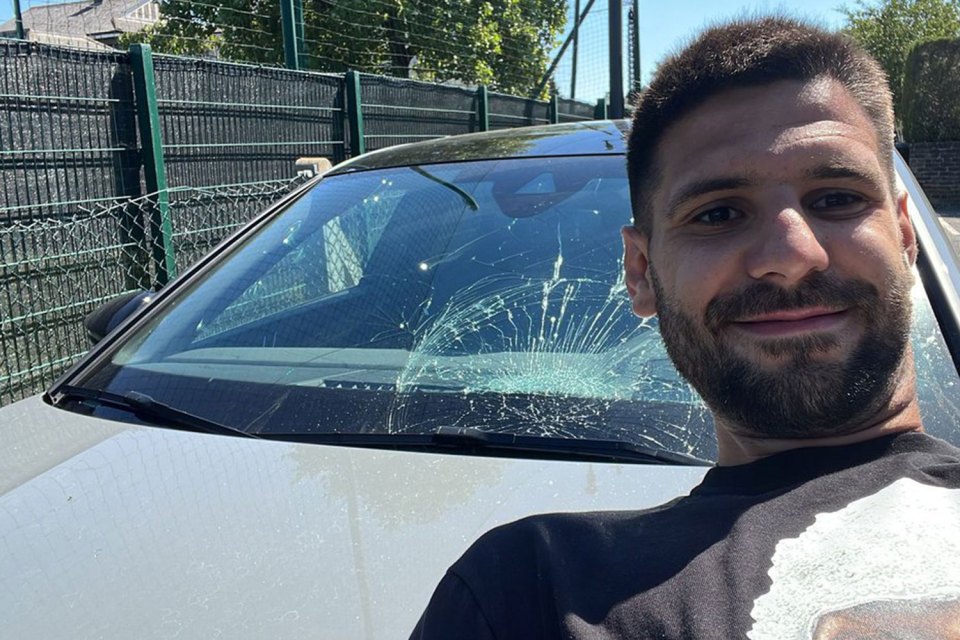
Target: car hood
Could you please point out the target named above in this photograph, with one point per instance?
(111, 530)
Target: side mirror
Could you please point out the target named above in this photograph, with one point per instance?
(110, 314)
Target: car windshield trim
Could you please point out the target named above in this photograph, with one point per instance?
(147, 409)
(479, 442)
(452, 439)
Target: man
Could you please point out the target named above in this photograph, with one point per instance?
(770, 240)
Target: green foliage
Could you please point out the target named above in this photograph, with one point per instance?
(501, 43)
(889, 29)
(931, 92)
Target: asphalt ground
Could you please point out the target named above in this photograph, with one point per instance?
(951, 223)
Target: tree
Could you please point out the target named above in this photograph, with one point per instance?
(889, 29)
(931, 92)
(501, 43)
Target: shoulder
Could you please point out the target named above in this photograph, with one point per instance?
(518, 575)
(549, 527)
(534, 542)
(920, 442)
(920, 456)
(453, 612)
(926, 459)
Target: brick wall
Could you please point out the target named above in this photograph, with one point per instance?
(937, 167)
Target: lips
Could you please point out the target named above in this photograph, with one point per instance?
(793, 321)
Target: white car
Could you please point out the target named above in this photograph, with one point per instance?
(295, 438)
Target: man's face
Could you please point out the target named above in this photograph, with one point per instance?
(779, 260)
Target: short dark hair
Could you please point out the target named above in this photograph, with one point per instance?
(748, 53)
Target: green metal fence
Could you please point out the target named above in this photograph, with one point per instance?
(120, 169)
(68, 149)
(56, 270)
(228, 126)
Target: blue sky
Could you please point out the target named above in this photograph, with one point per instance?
(667, 24)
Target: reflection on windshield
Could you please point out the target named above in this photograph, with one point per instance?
(486, 295)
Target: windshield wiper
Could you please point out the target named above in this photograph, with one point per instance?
(448, 439)
(467, 198)
(479, 442)
(147, 409)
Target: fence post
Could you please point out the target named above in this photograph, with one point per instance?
(288, 19)
(136, 258)
(18, 16)
(600, 111)
(634, 36)
(355, 114)
(615, 35)
(483, 107)
(300, 33)
(151, 153)
(554, 108)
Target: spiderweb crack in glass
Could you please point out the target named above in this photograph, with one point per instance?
(527, 339)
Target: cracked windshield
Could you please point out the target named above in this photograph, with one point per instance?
(486, 295)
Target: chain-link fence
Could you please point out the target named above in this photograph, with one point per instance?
(55, 270)
(68, 145)
(580, 67)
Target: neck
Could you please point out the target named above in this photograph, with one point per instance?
(899, 414)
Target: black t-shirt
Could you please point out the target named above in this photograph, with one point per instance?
(811, 543)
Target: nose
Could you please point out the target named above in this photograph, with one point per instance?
(786, 248)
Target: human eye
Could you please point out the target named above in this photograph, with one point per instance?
(838, 202)
(716, 216)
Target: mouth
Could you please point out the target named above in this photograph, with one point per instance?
(795, 322)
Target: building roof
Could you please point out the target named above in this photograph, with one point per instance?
(84, 23)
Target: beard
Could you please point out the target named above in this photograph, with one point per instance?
(801, 397)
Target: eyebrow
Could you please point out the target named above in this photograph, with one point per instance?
(702, 187)
(833, 170)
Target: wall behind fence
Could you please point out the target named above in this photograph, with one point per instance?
(937, 168)
(120, 170)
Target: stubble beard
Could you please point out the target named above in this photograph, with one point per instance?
(803, 397)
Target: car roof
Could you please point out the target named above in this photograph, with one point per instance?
(600, 137)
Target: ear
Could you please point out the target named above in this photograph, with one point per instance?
(636, 263)
(908, 235)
